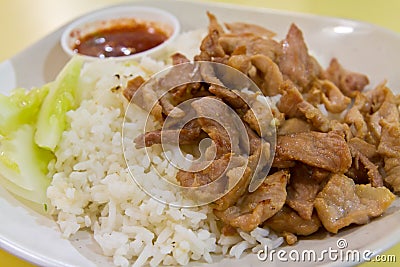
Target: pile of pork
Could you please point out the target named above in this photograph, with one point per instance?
(337, 153)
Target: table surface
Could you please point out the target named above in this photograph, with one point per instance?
(23, 22)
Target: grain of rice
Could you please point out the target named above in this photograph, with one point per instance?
(237, 250)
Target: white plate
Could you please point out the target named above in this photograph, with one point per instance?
(358, 46)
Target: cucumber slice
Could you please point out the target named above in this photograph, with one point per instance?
(64, 95)
(20, 107)
(23, 165)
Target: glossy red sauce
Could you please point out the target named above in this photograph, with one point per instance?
(120, 40)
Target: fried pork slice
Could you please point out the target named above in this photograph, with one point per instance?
(210, 46)
(189, 134)
(259, 118)
(178, 58)
(243, 28)
(319, 175)
(385, 125)
(292, 104)
(209, 76)
(387, 112)
(258, 158)
(254, 140)
(184, 91)
(240, 62)
(294, 125)
(146, 98)
(372, 100)
(328, 151)
(315, 116)
(237, 191)
(226, 138)
(178, 85)
(250, 45)
(342, 203)
(288, 221)
(261, 46)
(333, 99)
(323, 123)
(302, 190)
(362, 169)
(389, 149)
(132, 86)
(229, 172)
(150, 98)
(356, 120)
(392, 170)
(254, 208)
(266, 75)
(290, 238)
(364, 116)
(348, 82)
(169, 108)
(367, 149)
(289, 100)
(295, 63)
(163, 93)
(213, 171)
(232, 97)
(260, 153)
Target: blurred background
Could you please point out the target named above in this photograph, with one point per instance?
(22, 22)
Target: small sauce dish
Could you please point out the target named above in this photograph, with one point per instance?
(122, 32)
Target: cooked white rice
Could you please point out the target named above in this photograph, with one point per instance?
(92, 188)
